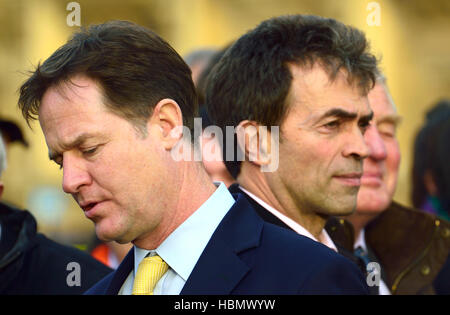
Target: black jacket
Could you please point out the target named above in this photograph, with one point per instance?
(270, 218)
(30, 263)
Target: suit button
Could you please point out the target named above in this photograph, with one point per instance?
(341, 221)
(445, 233)
(425, 270)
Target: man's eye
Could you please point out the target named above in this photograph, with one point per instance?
(387, 134)
(387, 130)
(89, 151)
(332, 124)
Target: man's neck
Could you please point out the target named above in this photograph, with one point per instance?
(359, 221)
(190, 190)
(253, 180)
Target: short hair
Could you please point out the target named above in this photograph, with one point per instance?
(134, 67)
(432, 153)
(253, 79)
(2, 155)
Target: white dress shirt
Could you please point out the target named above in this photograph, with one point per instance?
(324, 238)
(183, 247)
(361, 241)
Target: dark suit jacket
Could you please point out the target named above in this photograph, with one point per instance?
(332, 224)
(30, 263)
(246, 255)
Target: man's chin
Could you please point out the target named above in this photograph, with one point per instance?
(107, 235)
(372, 203)
(340, 207)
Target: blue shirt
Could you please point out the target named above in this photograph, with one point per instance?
(183, 247)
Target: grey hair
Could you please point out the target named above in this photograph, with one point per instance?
(2, 155)
(381, 79)
(199, 56)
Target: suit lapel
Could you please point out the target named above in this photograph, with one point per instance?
(121, 274)
(332, 222)
(266, 215)
(219, 268)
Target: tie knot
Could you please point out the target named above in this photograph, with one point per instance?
(149, 272)
(362, 254)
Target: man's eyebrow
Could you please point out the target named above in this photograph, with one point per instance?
(367, 118)
(343, 114)
(392, 119)
(72, 144)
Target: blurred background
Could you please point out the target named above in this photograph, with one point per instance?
(411, 37)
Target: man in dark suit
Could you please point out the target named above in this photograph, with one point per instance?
(116, 105)
(309, 77)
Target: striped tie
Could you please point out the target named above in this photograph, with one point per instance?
(150, 270)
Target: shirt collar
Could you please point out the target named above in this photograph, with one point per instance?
(183, 247)
(324, 237)
(360, 241)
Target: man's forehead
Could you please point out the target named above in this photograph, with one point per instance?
(314, 90)
(382, 104)
(346, 109)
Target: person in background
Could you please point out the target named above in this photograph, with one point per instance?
(30, 263)
(109, 253)
(12, 133)
(115, 104)
(197, 60)
(212, 156)
(411, 247)
(431, 163)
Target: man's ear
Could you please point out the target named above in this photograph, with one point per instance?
(1, 189)
(254, 140)
(168, 121)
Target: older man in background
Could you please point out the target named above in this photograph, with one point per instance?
(411, 247)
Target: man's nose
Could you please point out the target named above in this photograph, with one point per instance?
(75, 174)
(356, 146)
(375, 143)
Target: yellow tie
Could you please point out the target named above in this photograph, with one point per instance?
(150, 270)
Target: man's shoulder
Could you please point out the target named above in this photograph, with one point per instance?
(62, 252)
(101, 286)
(402, 220)
(306, 266)
(404, 238)
(57, 261)
(299, 247)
